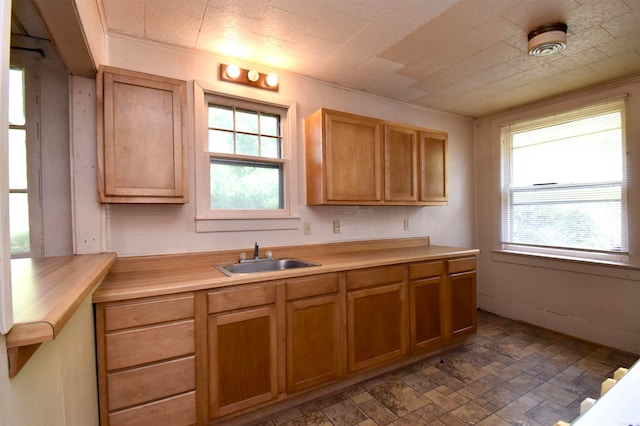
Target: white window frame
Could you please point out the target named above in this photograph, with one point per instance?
(208, 220)
(31, 65)
(505, 245)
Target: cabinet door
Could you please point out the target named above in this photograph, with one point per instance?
(377, 325)
(242, 359)
(463, 303)
(400, 163)
(353, 158)
(141, 131)
(426, 300)
(433, 167)
(315, 341)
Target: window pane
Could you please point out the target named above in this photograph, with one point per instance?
(589, 225)
(17, 159)
(247, 121)
(221, 141)
(247, 145)
(221, 117)
(269, 125)
(16, 97)
(269, 147)
(596, 157)
(19, 223)
(239, 186)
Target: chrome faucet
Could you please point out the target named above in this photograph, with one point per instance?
(256, 255)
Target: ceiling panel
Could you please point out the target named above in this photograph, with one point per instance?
(462, 56)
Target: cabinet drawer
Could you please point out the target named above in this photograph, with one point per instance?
(143, 345)
(425, 270)
(312, 286)
(375, 276)
(148, 311)
(461, 265)
(240, 298)
(179, 410)
(144, 384)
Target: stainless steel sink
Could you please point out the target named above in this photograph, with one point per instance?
(263, 265)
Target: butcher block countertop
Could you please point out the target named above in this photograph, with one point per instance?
(136, 277)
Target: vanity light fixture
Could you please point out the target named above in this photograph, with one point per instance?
(234, 74)
(547, 39)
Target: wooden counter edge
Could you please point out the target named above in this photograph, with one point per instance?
(25, 337)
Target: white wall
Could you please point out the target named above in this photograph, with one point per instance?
(58, 386)
(150, 229)
(596, 303)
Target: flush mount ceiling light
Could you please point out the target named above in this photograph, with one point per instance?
(253, 78)
(547, 39)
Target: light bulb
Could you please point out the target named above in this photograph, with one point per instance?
(272, 80)
(233, 71)
(253, 75)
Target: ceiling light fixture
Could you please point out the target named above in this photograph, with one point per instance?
(547, 39)
(234, 74)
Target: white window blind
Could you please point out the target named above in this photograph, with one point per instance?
(564, 183)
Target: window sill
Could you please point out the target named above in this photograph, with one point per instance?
(573, 264)
(46, 293)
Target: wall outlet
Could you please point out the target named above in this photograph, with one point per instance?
(406, 224)
(307, 228)
(336, 226)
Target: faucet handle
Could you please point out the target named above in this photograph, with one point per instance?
(243, 256)
(269, 254)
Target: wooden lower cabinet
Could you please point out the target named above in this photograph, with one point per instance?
(427, 304)
(377, 326)
(242, 348)
(202, 357)
(146, 361)
(462, 290)
(316, 338)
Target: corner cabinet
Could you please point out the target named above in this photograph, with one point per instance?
(356, 160)
(141, 123)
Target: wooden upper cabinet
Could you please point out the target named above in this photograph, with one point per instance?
(141, 136)
(400, 163)
(344, 158)
(433, 167)
(356, 160)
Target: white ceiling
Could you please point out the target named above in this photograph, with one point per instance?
(464, 56)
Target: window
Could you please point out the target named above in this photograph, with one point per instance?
(25, 230)
(564, 184)
(245, 172)
(245, 151)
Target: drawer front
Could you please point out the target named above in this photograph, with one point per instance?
(228, 300)
(148, 311)
(461, 265)
(312, 286)
(149, 344)
(179, 410)
(375, 276)
(425, 270)
(139, 385)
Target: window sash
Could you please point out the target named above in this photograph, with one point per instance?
(595, 211)
(281, 218)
